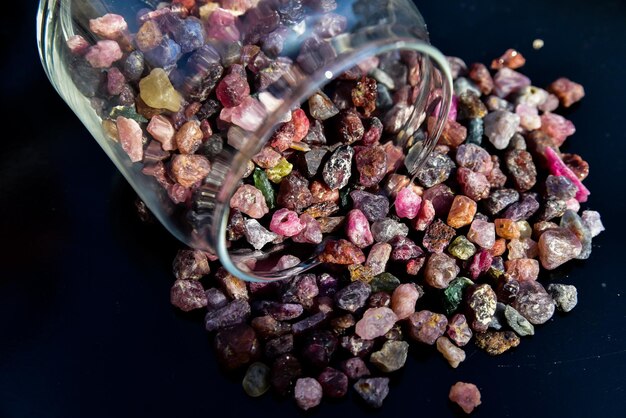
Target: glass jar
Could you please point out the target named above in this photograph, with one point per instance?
(184, 95)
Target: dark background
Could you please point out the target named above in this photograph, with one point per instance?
(86, 328)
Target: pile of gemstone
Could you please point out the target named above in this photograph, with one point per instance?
(451, 255)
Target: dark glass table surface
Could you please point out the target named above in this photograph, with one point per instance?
(86, 328)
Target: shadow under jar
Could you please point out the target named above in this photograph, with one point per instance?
(194, 99)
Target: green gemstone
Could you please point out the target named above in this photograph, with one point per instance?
(461, 248)
(344, 197)
(262, 183)
(384, 282)
(127, 112)
(453, 294)
(280, 170)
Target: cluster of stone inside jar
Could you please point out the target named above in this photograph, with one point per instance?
(454, 258)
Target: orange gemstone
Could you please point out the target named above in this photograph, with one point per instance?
(507, 229)
(498, 248)
(462, 211)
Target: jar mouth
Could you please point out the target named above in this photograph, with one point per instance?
(226, 175)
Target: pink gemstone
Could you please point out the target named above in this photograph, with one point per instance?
(557, 127)
(221, 26)
(375, 323)
(395, 156)
(312, 232)
(285, 222)
(550, 104)
(249, 200)
(529, 117)
(178, 193)
(301, 124)
(507, 81)
(568, 91)
(473, 185)
(558, 168)
(285, 262)
(162, 130)
(103, 54)
(522, 269)
(109, 26)
(77, 44)
(378, 257)
(407, 203)
(249, 115)
(115, 81)
(234, 88)
(267, 158)
(403, 300)
(425, 216)
(358, 229)
(573, 204)
(466, 395)
(480, 264)
(131, 138)
(482, 233)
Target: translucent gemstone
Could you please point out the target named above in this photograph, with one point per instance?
(280, 170)
(221, 26)
(188, 295)
(77, 44)
(458, 330)
(474, 157)
(131, 138)
(342, 252)
(529, 117)
(441, 269)
(262, 183)
(373, 390)
(391, 356)
(286, 223)
(466, 395)
(249, 115)
(109, 26)
(165, 55)
(560, 187)
(115, 81)
(257, 235)
(522, 269)
(480, 264)
(103, 54)
(574, 223)
(162, 130)
(307, 393)
(236, 346)
(474, 185)
(321, 107)
(507, 228)
(558, 168)
(358, 229)
(190, 264)
(338, 168)
(482, 233)
(480, 75)
(436, 169)
(500, 126)
(426, 326)
(312, 232)
(557, 127)
(523, 209)
(378, 256)
(267, 327)
(510, 59)
(404, 249)
(387, 229)
(461, 248)
(215, 299)
(470, 106)
(407, 203)
(249, 200)
(403, 300)
(462, 211)
(437, 236)
(592, 220)
(257, 380)
(425, 216)
(453, 133)
(567, 91)
(507, 81)
(157, 91)
(453, 354)
(375, 323)
(557, 246)
(149, 36)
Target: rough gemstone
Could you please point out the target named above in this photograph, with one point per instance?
(437, 236)
(157, 91)
(474, 157)
(441, 197)
(521, 167)
(466, 395)
(234, 87)
(342, 252)
(474, 185)
(404, 249)
(557, 246)
(436, 169)
(441, 269)
(559, 168)
(461, 248)
(522, 209)
(458, 330)
(534, 302)
(189, 169)
(453, 354)
(131, 138)
(557, 127)
(236, 346)
(294, 193)
(249, 200)
(189, 137)
(357, 346)
(373, 390)
(403, 300)
(376, 322)
(481, 303)
(257, 235)
(453, 294)
(374, 207)
(507, 81)
(522, 248)
(188, 295)
(426, 326)
(334, 383)
(267, 327)
(517, 322)
(567, 91)
(384, 282)
(497, 342)
(391, 356)
(500, 126)
(480, 75)
(565, 296)
(482, 233)
(162, 130)
(387, 229)
(377, 258)
(285, 371)
(358, 229)
(407, 203)
(353, 296)
(574, 223)
(337, 170)
(355, 368)
(215, 299)
(592, 220)
(560, 188)
(462, 211)
(109, 26)
(425, 216)
(257, 380)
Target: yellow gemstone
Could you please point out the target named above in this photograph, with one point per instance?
(280, 170)
(157, 91)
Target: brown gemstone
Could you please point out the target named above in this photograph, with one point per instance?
(189, 169)
(189, 137)
(462, 211)
(497, 342)
(507, 229)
